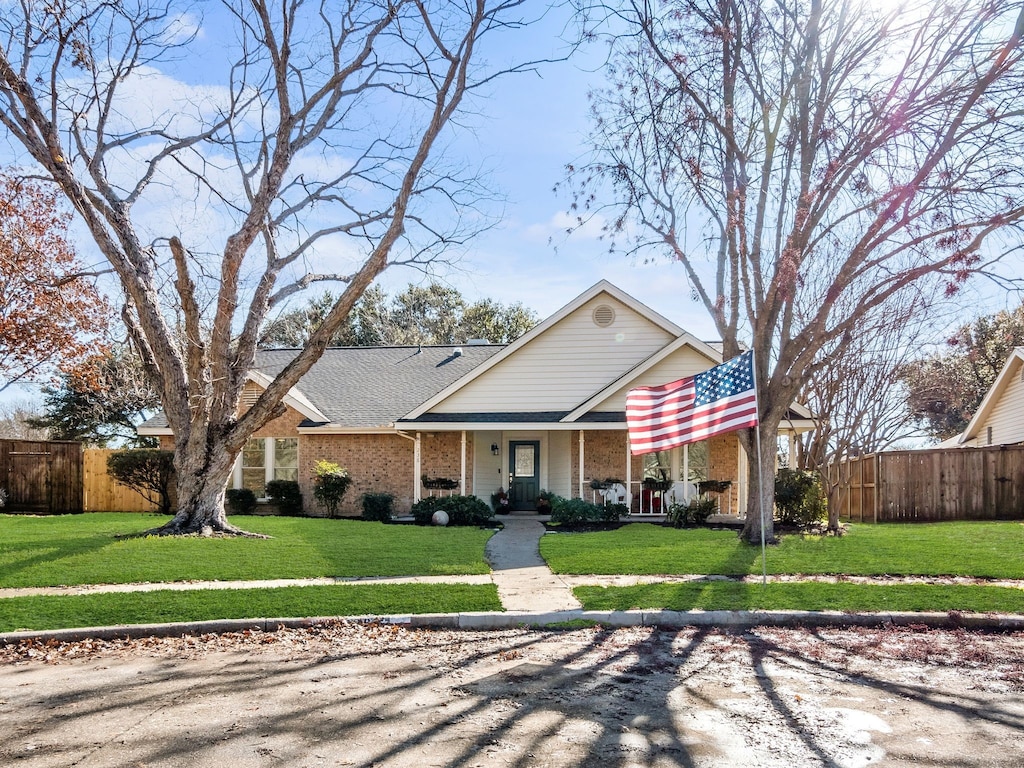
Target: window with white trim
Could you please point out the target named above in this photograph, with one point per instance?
(264, 459)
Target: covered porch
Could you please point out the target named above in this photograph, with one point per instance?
(593, 463)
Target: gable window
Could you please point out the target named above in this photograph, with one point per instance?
(264, 459)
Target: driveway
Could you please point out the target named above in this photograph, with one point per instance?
(356, 695)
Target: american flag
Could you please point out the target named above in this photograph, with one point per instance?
(721, 399)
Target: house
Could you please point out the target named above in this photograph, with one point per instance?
(546, 412)
(999, 419)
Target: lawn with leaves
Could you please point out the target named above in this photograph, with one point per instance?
(803, 596)
(981, 549)
(91, 549)
(112, 609)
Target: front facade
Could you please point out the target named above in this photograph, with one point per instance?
(545, 413)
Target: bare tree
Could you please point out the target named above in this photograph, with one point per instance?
(325, 136)
(807, 163)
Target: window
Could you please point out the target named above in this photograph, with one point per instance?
(264, 459)
(698, 461)
(658, 465)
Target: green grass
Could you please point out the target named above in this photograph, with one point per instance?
(110, 609)
(803, 596)
(981, 549)
(84, 549)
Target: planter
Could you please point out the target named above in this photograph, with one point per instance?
(657, 486)
(713, 486)
(440, 483)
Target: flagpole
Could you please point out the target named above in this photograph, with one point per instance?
(760, 472)
(760, 495)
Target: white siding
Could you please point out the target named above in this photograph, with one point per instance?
(563, 366)
(684, 362)
(560, 463)
(487, 474)
(1007, 416)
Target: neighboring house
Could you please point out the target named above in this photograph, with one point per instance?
(999, 419)
(546, 412)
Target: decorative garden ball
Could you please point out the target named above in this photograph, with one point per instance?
(440, 518)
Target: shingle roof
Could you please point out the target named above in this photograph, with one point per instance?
(374, 386)
(371, 386)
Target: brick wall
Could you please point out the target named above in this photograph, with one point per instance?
(377, 464)
(723, 464)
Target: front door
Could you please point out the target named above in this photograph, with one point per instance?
(524, 474)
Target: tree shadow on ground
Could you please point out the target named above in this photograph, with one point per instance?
(369, 696)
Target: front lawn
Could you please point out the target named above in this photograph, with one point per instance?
(980, 549)
(803, 596)
(111, 609)
(84, 549)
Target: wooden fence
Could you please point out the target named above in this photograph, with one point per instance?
(931, 485)
(102, 493)
(42, 477)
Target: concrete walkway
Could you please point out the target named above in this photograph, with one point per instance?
(524, 581)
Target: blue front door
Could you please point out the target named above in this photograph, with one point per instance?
(523, 473)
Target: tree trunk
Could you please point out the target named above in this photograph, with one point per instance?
(201, 487)
(761, 496)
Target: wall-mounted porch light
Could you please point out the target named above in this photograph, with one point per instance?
(494, 449)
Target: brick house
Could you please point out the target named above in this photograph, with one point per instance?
(546, 412)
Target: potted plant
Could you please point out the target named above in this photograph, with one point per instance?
(544, 502)
(499, 501)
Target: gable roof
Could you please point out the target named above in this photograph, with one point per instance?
(993, 396)
(375, 386)
(541, 328)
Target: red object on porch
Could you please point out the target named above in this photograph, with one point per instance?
(650, 501)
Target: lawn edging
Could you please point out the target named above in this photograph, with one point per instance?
(729, 620)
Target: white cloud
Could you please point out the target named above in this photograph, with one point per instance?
(564, 224)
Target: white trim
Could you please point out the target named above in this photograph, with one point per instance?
(991, 397)
(596, 290)
(293, 399)
(154, 431)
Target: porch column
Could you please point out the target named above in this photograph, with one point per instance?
(462, 477)
(581, 464)
(686, 473)
(741, 470)
(792, 450)
(629, 474)
(417, 464)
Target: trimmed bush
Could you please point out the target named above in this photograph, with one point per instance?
(286, 495)
(577, 511)
(330, 482)
(461, 510)
(147, 471)
(799, 498)
(240, 501)
(378, 506)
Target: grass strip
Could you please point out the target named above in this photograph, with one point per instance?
(988, 550)
(86, 549)
(802, 596)
(110, 609)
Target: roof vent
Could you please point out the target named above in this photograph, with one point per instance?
(603, 315)
(457, 352)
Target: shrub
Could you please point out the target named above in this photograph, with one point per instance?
(378, 506)
(286, 495)
(696, 512)
(572, 511)
(240, 501)
(147, 471)
(461, 510)
(799, 498)
(329, 485)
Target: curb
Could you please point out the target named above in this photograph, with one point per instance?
(727, 620)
